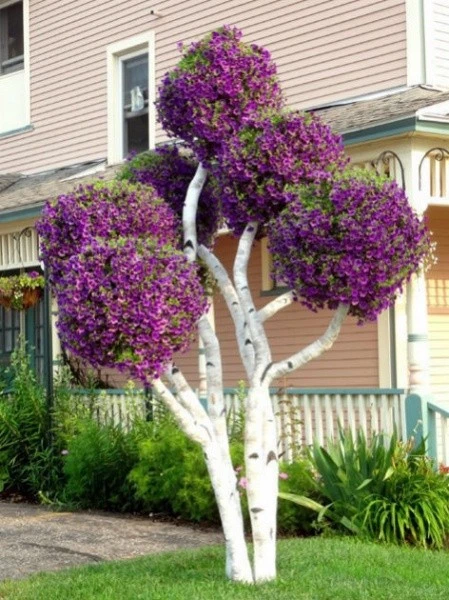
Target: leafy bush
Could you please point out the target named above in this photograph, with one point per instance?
(297, 477)
(171, 475)
(386, 491)
(28, 462)
(413, 507)
(98, 461)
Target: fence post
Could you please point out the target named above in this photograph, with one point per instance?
(421, 422)
(416, 418)
(432, 450)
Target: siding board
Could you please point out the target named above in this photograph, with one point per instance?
(352, 362)
(438, 304)
(325, 50)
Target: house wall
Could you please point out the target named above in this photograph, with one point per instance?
(352, 362)
(438, 304)
(437, 30)
(325, 50)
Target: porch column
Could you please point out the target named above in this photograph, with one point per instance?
(417, 339)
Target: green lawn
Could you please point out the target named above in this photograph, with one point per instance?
(312, 569)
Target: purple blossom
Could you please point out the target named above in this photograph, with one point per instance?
(257, 163)
(218, 84)
(126, 297)
(169, 172)
(104, 210)
(353, 241)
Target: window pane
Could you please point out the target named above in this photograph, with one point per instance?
(135, 74)
(15, 30)
(11, 38)
(136, 134)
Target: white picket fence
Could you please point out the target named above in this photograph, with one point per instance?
(302, 415)
(306, 415)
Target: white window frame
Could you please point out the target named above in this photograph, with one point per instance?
(25, 72)
(116, 54)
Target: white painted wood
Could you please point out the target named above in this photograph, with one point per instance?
(319, 434)
(329, 417)
(351, 414)
(362, 414)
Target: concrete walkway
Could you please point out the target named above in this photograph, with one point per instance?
(33, 538)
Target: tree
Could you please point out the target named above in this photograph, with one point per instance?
(128, 297)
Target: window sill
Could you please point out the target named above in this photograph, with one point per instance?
(12, 132)
(274, 292)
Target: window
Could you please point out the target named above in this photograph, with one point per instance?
(131, 95)
(11, 38)
(135, 103)
(271, 285)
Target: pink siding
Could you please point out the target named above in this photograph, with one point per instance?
(325, 50)
(352, 362)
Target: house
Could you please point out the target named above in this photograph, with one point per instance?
(377, 72)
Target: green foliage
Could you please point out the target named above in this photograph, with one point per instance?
(413, 506)
(28, 463)
(385, 491)
(171, 475)
(350, 469)
(98, 461)
(294, 519)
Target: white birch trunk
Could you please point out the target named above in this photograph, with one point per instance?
(262, 474)
(216, 450)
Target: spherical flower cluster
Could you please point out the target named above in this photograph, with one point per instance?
(103, 210)
(218, 84)
(257, 163)
(129, 305)
(352, 241)
(126, 297)
(169, 172)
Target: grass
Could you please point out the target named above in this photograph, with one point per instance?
(309, 569)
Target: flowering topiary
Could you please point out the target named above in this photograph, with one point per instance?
(258, 162)
(169, 172)
(129, 304)
(102, 210)
(218, 84)
(354, 241)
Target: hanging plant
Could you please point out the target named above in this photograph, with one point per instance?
(21, 292)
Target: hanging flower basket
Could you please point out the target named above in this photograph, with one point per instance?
(21, 292)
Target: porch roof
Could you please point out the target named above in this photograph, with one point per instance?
(23, 195)
(387, 112)
(358, 120)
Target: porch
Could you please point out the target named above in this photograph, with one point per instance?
(308, 414)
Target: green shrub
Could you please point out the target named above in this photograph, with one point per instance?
(292, 518)
(413, 506)
(29, 464)
(97, 464)
(385, 491)
(171, 476)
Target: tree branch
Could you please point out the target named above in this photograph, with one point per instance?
(232, 300)
(273, 307)
(257, 336)
(311, 351)
(190, 210)
(186, 421)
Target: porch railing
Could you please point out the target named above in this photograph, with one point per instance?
(302, 415)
